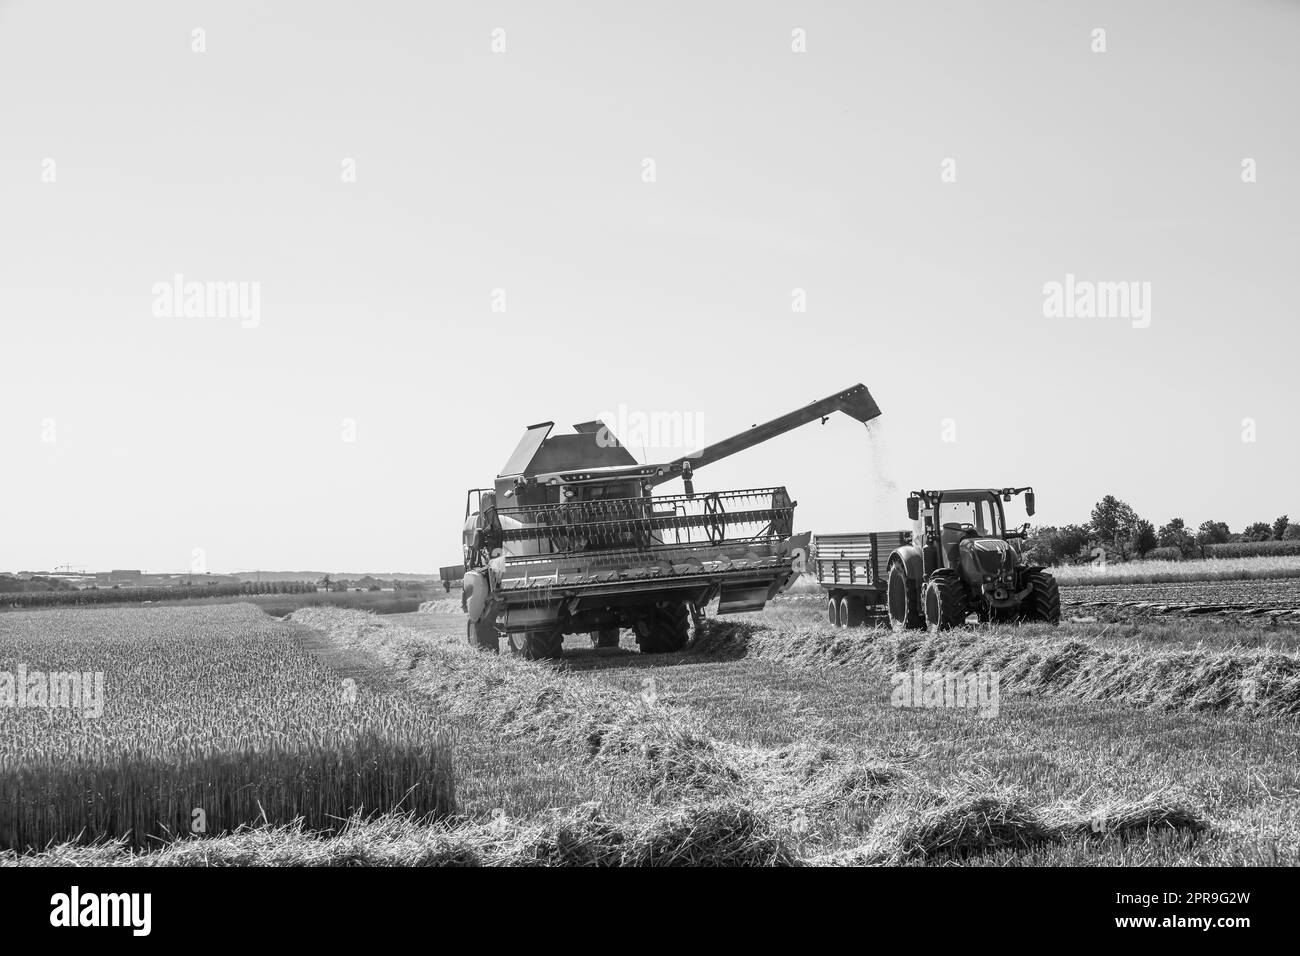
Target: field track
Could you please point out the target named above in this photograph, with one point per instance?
(1276, 599)
(1124, 610)
(1260, 593)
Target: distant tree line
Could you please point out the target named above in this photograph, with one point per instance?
(10, 584)
(371, 583)
(1117, 530)
(125, 595)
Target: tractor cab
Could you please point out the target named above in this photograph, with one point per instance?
(964, 518)
(964, 559)
(951, 523)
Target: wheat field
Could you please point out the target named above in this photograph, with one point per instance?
(209, 718)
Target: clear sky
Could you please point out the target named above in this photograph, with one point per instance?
(379, 170)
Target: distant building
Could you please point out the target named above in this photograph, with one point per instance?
(196, 579)
(117, 577)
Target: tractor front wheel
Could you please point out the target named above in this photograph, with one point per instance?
(1044, 600)
(904, 600)
(833, 612)
(945, 605)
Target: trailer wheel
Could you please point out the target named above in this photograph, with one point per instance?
(1044, 601)
(833, 612)
(483, 634)
(945, 605)
(852, 611)
(605, 637)
(667, 629)
(537, 645)
(904, 599)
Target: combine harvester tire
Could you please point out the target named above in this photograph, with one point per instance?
(537, 645)
(667, 629)
(483, 635)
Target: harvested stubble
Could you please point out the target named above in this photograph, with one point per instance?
(1128, 818)
(213, 709)
(929, 826)
(708, 796)
(721, 833)
(658, 750)
(1255, 683)
(444, 605)
(916, 827)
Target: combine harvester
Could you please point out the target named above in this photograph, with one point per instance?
(960, 559)
(584, 546)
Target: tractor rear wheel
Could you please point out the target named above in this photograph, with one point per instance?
(537, 645)
(667, 629)
(945, 604)
(852, 611)
(904, 600)
(1044, 600)
(483, 634)
(605, 637)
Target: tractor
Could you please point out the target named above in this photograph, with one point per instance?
(964, 560)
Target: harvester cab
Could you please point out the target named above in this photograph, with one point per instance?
(573, 539)
(963, 560)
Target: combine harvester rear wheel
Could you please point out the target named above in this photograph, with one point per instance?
(665, 629)
(537, 645)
